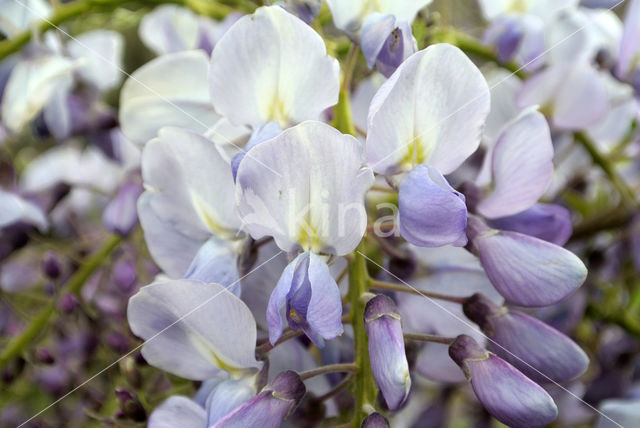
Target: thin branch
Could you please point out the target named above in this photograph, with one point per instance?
(336, 389)
(429, 338)
(331, 368)
(287, 335)
(389, 286)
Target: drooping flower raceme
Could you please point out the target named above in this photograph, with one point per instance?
(313, 204)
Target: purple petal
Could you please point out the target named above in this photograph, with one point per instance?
(375, 420)
(386, 350)
(386, 42)
(270, 407)
(312, 298)
(431, 212)
(216, 261)
(278, 300)
(541, 352)
(527, 271)
(226, 397)
(630, 43)
(325, 307)
(375, 32)
(506, 33)
(263, 133)
(549, 222)
(121, 216)
(510, 397)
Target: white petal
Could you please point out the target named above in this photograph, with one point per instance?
(522, 166)
(31, 85)
(15, 208)
(17, 16)
(574, 93)
(305, 188)
(193, 329)
(171, 90)
(100, 57)
(190, 194)
(287, 80)
(169, 28)
(431, 110)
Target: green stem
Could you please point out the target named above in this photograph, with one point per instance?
(68, 11)
(472, 46)
(365, 387)
(330, 368)
(342, 119)
(599, 159)
(37, 324)
(619, 318)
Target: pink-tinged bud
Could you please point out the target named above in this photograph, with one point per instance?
(386, 350)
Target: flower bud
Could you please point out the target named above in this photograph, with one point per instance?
(386, 350)
(125, 275)
(387, 42)
(68, 303)
(51, 265)
(44, 356)
(527, 271)
(129, 369)
(425, 189)
(270, 407)
(541, 352)
(311, 299)
(375, 420)
(511, 397)
(130, 405)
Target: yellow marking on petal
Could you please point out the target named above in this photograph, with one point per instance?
(277, 112)
(308, 238)
(415, 155)
(547, 109)
(518, 6)
(206, 215)
(207, 351)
